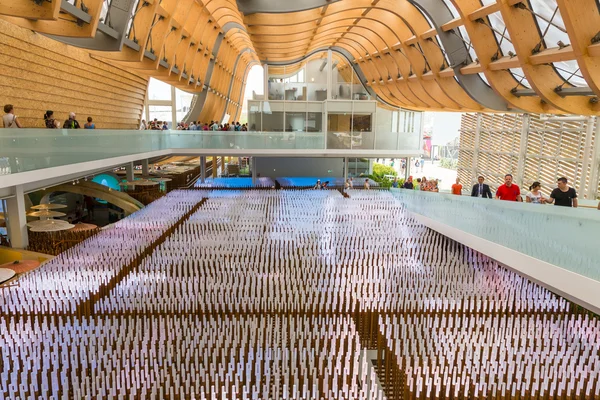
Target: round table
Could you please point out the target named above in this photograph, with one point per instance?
(6, 274)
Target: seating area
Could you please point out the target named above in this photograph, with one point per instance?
(287, 294)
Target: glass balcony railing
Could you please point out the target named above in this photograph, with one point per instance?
(24, 150)
(561, 236)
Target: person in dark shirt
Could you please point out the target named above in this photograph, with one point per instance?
(71, 123)
(563, 195)
(408, 184)
(481, 189)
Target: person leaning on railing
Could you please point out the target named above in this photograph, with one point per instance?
(563, 195)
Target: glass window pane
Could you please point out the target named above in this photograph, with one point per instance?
(314, 122)
(184, 100)
(451, 7)
(358, 90)
(158, 90)
(161, 114)
(295, 121)
(254, 116)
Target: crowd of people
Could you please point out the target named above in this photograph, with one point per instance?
(422, 184)
(157, 125)
(11, 120)
(563, 195)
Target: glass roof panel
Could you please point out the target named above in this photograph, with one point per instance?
(549, 21)
(451, 8)
(552, 29)
(570, 72)
(482, 76)
(467, 39)
(502, 36)
(519, 75)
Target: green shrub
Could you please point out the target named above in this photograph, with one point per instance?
(382, 170)
(384, 182)
(449, 163)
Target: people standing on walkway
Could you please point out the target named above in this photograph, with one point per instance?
(508, 191)
(9, 119)
(71, 123)
(89, 124)
(417, 185)
(535, 195)
(457, 188)
(481, 189)
(563, 195)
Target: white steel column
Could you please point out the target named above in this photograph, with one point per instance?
(266, 82)
(173, 108)
(202, 169)
(476, 148)
(345, 169)
(129, 174)
(145, 168)
(523, 150)
(587, 158)
(329, 73)
(252, 166)
(16, 219)
(595, 164)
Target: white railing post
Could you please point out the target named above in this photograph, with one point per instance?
(588, 156)
(595, 164)
(523, 150)
(476, 147)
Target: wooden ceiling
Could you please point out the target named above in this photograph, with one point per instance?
(395, 47)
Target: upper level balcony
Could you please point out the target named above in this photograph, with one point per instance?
(28, 155)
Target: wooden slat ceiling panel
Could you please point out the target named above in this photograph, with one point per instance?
(395, 46)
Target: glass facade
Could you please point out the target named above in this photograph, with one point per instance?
(161, 113)
(288, 116)
(308, 81)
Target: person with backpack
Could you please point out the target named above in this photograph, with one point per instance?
(71, 123)
(9, 119)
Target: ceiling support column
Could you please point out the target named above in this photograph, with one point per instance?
(17, 219)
